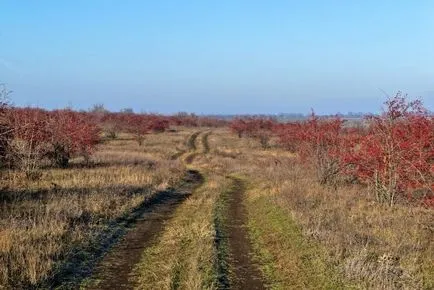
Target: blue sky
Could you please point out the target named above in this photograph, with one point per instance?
(217, 56)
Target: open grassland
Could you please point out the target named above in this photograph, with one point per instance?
(298, 234)
(59, 224)
(303, 234)
(340, 231)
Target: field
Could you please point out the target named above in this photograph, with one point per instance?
(200, 208)
(216, 145)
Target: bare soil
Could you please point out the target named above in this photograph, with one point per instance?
(114, 271)
(246, 272)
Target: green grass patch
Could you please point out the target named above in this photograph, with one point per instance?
(184, 256)
(287, 258)
(221, 242)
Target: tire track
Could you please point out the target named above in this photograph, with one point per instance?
(191, 144)
(205, 142)
(235, 267)
(116, 267)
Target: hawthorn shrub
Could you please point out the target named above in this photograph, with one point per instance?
(319, 142)
(70, 134)
(257, 128)
(238, 126)
(5, 130)
(110, 125)
(157, 124)
(211, 122)
(28, 145)
(288, 135)
(396, 156)
(185, 119)
(56, 136)
(137, 125)
(392, 153)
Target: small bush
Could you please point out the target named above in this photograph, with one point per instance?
(5, 129)
(57, 136)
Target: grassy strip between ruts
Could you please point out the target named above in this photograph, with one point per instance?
(185, 257)
(286, 257)
(223, 269)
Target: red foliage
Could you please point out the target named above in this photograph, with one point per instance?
(158, 124)
(259, 128)
(396, 156)
(58, 135)
(393, 153)
(5, 130)
(29, 125)
(238, 126)
(192, 120)
(70, 133)
(316, 140)
(184, 119)
(211, 122)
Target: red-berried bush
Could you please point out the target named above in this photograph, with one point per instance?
(5, 129)
(184, 119)
(110, 124)
(28, 145)
(396, 156)
(69, 134)
(238, 126)
(192, 120)
(211, 122)
(56, 136)
(135, 124)
(319, 142)
(288, 134)
(258, 128)
(157, 124)
(261, 129)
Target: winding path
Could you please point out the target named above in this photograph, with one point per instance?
(114, 270)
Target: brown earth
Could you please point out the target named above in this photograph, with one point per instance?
(114, 270)
(246, 273)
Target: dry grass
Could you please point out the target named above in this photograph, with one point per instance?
(47, 223)
(305, 235)
(371, 245)
(374, 245)
(184, 257)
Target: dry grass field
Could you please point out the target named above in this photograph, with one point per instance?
(54, 228)
(296, 233)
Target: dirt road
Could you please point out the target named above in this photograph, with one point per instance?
(114, 270)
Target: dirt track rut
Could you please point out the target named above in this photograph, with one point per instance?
(114, 270)
(246, 273)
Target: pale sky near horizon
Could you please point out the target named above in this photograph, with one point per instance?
(217, 56)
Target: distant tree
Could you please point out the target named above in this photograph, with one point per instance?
(238, 126)
(157, 124)
(254, 127)
(98, 108)
(127, 111)
(137, 125)
(5, 130)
